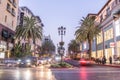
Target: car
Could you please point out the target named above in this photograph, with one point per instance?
(27, 62)
(10, 62)
(85, 62)
(42, 61)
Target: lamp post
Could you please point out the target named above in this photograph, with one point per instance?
(61, 32)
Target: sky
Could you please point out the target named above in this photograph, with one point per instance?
(66, 13)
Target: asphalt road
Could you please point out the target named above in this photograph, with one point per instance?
(42, 73)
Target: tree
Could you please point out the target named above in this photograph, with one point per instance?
(29, 30)
(73, 46)
(17, 51)
(48, 47)
(87, 31)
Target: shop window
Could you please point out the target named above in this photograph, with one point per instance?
(5, 33)
(11, 35)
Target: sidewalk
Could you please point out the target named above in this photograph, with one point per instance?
(110, 65)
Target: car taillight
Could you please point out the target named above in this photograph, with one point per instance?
(82, 62)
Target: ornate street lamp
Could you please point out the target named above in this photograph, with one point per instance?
(61, 32)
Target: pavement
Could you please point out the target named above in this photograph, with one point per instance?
(110, 65)
(107, 64)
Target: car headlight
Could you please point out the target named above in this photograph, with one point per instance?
(28, 60)
(19, 60)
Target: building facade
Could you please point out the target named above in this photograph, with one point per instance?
(8, 23)
(109, 39)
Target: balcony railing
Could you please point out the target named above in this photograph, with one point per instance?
(14, 4)
(13, 13)
(9, 9)
(10, 1)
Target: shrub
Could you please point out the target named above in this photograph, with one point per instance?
(61, 65)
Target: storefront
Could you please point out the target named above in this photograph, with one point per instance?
(3, 48)
(6, 41)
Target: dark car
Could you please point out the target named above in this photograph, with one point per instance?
(27, 62)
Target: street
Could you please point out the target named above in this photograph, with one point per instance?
(42, 73)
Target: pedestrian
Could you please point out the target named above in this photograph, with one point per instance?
(110, 60)
(103, 60)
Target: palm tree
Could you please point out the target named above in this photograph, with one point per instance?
(74, 47)
(87, 31)
(29, 30)
(17, 51)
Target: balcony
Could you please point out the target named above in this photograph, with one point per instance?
(9, 9)
(14, 4)
(13, 13)
(10, 1)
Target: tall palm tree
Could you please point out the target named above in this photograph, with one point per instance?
(87, 31)
(29, 30)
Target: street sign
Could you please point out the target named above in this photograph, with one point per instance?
(112, 44)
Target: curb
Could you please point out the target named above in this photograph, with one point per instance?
(118, 66)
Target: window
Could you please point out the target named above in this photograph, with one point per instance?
(12, 23)
(108, 12)
(14, 3)
(101, 18)
(13, 12)
(10, 1)
(5, 18)
(0, 1)
(115, 1)
(5, 33)
(8, 7)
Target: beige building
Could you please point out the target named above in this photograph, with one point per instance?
(8, 23)
(109, 39)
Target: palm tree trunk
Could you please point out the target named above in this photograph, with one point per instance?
(90, 48)
(96, 46)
